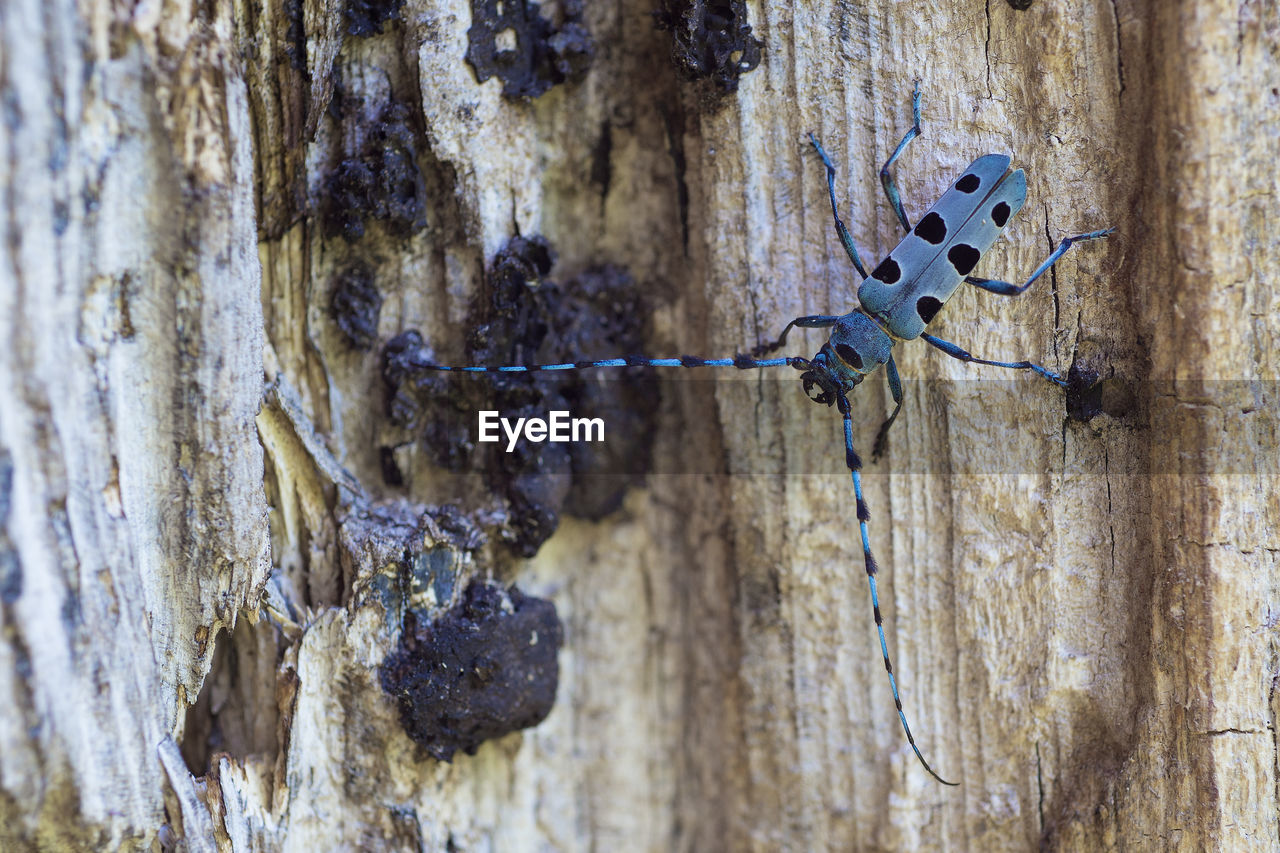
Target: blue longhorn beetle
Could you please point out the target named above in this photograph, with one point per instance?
(896, 302)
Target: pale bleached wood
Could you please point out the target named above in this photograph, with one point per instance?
(1080, 614)
(134, 523)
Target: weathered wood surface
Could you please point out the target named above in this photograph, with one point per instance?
(1081, 614)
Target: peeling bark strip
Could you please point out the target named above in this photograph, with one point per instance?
(482, 670)
(131, 345)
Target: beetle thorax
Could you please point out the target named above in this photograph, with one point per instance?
(857, 347)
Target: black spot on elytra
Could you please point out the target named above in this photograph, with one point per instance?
(889, 272)
(932, 229)
(849, 355)
(1000, 214)
(969, 183)
(927, 307)
(963, 257)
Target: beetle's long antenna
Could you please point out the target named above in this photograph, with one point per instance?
(855, 469)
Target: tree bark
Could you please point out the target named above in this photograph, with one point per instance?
(211, 523)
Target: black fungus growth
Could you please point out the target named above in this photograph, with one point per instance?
(484, 669)
(380, 180)
(711, 40)
(1084, 393)
(366, 17)
(355, 305)
(529, 319)
(511, 40)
